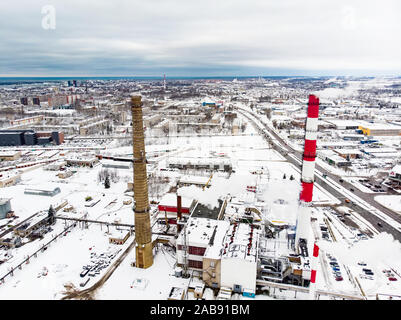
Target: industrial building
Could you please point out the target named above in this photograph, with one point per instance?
(106, 163)
(200, 163)
(198, 181)
(239, 259)
(379, 129)
(118, 236)
(10, 155)
(29, 137)
(344, 124)
(5, 207)
(196, 237)
(225, 255)
(26, 121)
(9, 179)
(43, 191)
(88, 161)
(349, 153)
(333, 158)
(168, 207)
(55, 166)
(34, 226)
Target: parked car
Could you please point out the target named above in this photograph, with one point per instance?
(339, 278)
(392, 279)
(364, 276)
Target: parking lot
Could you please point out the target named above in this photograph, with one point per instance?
(98, 263)
(373, 185)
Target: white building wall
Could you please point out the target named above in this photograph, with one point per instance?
(238, 271)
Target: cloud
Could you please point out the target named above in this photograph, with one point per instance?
(133, 37)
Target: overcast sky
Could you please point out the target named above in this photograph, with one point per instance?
(201, 38)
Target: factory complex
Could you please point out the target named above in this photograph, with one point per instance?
(172, 190)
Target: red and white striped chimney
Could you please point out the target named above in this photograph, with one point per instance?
(314, 262)
(308, 168)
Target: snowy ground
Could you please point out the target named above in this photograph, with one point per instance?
(392, 202)
(63, 259)
(159, 279)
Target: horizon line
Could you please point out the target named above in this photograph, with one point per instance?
(201, 76)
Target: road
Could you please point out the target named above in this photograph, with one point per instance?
(295, 157)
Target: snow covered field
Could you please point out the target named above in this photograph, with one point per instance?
(392, 202)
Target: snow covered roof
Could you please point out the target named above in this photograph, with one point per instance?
(344, 123)
(379, 150)
(170, 200)
(194, 180)
(396, 170)
(241, 242)
(215, 248)
(381, 126)
(198, 161)
(200, 230)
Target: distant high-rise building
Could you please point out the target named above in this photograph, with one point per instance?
(36, 101)
(24, 101)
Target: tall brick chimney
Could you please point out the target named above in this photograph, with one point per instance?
(143, 232)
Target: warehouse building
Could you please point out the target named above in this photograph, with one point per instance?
(333, 158)
(9, 179)
(200, 163)
(348, 153)
(89, 161)
(44, 191)
(344, 124)
(5, 207)
(10, 155)
(29, 137)
(118, 237)
(380, 129)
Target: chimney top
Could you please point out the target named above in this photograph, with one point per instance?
(136, 101)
